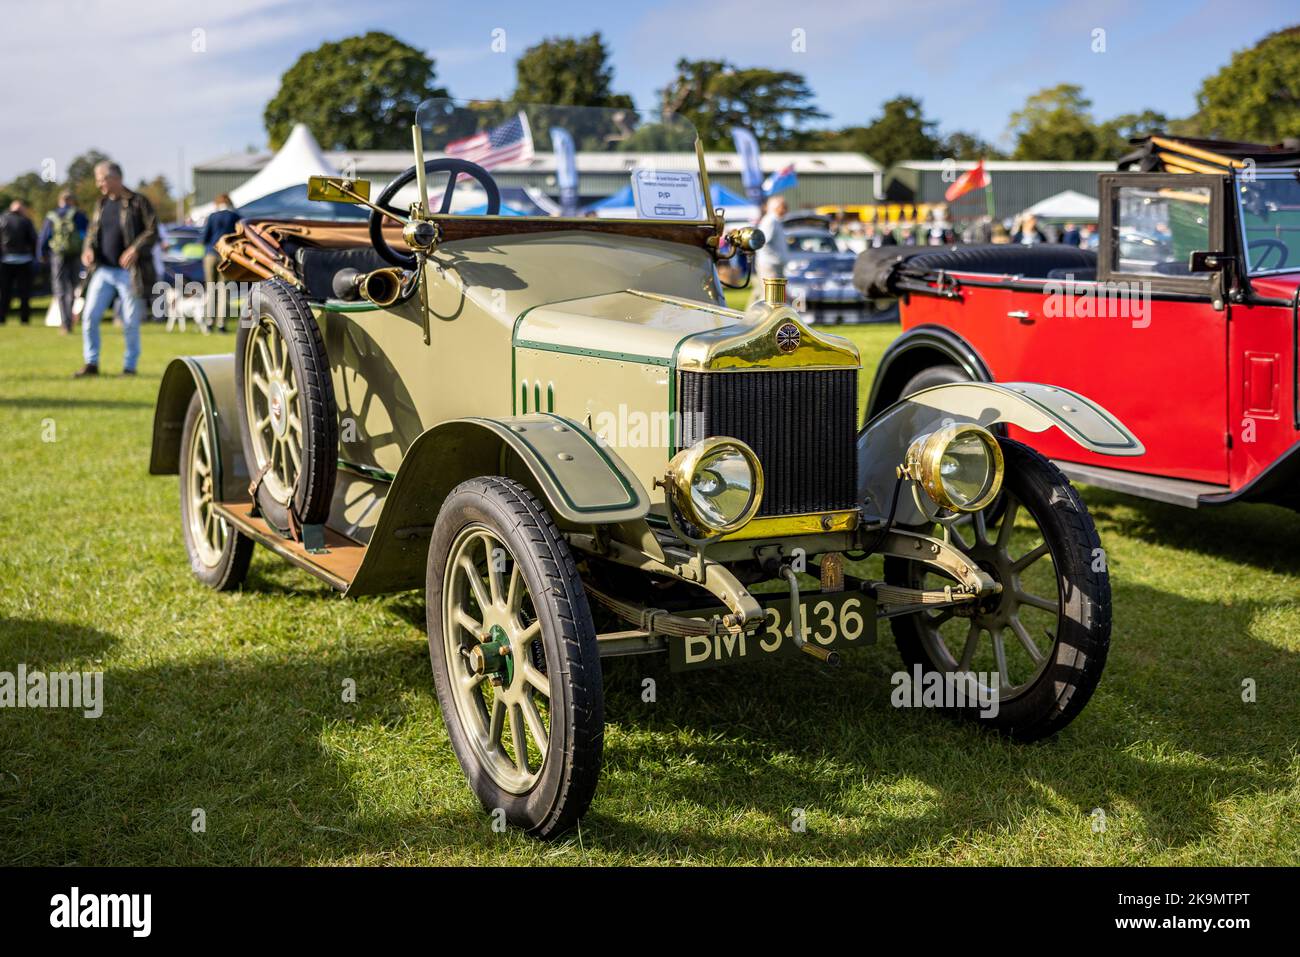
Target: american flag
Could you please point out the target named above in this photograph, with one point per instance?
(511, 142)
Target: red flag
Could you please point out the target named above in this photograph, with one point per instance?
(973, 179)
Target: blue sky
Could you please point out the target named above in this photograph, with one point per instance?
(163, 83)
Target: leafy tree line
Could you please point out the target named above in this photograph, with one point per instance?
(362, 93)
(42, 194)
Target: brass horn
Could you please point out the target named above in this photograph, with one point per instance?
(383, 287)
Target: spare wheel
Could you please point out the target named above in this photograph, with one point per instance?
(286, 401)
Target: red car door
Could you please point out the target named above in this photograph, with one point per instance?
(1145, 338)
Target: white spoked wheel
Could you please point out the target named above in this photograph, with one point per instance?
(493, 649)
(274, 410)
(285, 394)
(514, 656)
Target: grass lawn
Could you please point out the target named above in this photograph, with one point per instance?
(233, 703)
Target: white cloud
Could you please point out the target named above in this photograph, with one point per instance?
(144, 80)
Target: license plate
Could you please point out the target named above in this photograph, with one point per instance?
(838, 620)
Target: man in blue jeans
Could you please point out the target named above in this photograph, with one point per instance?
(119, 253)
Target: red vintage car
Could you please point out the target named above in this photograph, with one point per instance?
(1183, 322)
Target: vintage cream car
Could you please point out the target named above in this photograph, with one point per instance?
(555, 426)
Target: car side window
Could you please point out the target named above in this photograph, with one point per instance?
(1156, 228)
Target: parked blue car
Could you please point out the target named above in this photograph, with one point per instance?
(819, 278)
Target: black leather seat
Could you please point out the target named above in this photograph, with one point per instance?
(318, 267)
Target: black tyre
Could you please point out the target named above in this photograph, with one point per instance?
(289, 418)
(218, 554)
(933, 375)
(514, 654)
(1042, 643)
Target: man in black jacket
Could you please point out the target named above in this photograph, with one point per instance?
(17, 254)
(119, 254)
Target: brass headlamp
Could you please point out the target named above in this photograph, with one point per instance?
(716, 484)
(959, 466)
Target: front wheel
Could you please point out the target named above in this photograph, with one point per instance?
(515, 659)
(1038, 648)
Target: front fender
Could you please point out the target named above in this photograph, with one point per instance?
(581, 481)
(214, 379)
(1031, 406)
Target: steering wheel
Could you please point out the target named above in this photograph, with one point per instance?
(450, 165)
(1283, 251)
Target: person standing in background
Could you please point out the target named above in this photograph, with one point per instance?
(17, 259)
(119, 253)
(218, 224)
(62, 236)
(1028, 233)
(769, 261)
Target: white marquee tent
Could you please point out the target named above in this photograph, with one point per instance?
(1067, 205)
(298, 159)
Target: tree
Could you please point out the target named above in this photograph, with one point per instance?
(565, 71)
(41, 196)
(159, 193)
(1113, 136)
(360, 93)
(1256, 97)
(81, 177)
(716, 96)
(1055, 124)
(901, 132)
(960, 145)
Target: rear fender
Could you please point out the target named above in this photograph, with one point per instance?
(884, 440)
(918, 349)
(582, 482)
(214, 379)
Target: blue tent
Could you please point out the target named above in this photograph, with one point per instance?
(623, 199)
(292, 203)
(481, 210)
(725, 197)
(623, 204)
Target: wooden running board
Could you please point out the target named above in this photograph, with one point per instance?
(336, 567)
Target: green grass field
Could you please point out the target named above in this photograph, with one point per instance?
(233, 703)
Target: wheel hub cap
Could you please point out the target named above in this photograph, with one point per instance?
(279, 421)
(493, 657)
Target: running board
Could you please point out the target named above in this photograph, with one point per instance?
(1157, 488)
(336, 566)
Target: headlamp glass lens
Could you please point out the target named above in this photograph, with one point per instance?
(965, 468)
(722, 487)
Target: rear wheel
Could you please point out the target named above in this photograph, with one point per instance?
(219, 555)
(514, 654)
(1041, 644)
(934, 375)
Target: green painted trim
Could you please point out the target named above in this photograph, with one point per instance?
(550, 397)
(1098, 410)
(632, 498)
(594, 353)
(366, 471)
(338, 306)
(514, 360)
